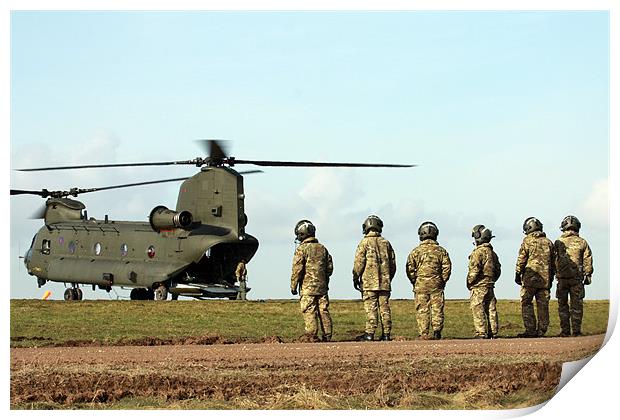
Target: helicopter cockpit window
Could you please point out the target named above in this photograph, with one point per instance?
(72, 247)
(124, 250)
(45, 246)
(97, 248)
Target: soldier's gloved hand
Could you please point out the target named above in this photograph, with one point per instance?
(588, 279)
(294, 291)
(357, 285)
(518, 278)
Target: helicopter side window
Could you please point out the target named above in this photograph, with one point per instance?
(72, 246)
(124, 250)
(97, 248)
(46, 246)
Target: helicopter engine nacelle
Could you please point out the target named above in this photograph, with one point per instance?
(163, 218)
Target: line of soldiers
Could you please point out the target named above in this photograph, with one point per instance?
(428, 268)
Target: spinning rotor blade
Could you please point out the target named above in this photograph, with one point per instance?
(214, 148)
(233, 161)
(39, 213)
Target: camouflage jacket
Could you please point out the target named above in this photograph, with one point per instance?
(535, 263)
(375, 262)
(241, 272)
(312, 266)
(428, 267)
(573, 258)
(484, 267)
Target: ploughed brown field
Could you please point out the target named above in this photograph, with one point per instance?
(502, 373)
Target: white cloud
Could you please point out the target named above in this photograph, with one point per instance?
(595, 209)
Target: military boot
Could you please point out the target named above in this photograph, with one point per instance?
(577, 333)
(385, 337)
(326, 338)
(527, 334)
(436, 335)
(365, 337)
(565, 333)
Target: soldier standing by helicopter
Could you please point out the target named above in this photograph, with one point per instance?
(428, 269)
(241, 274)
(373, 270)
(312, 266)
(573, 269)
(534, 273)
(484, 270)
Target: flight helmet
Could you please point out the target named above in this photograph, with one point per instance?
(481, 234)
(304, 229)
(532, 224)
(372, 222)
(570, 223)
(428, 230)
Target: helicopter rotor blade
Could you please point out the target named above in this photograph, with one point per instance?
(39, 213)
(114, 165)
(41, 193)
(234, 161)
(255, 171)
(214, 148)
(133, 184)
(76, 191)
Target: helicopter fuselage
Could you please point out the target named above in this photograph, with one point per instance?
(192, 251)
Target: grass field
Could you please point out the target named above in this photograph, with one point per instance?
(446, 374)
(36, 323)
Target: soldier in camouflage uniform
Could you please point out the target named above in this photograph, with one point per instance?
(428, 269)
(373, 270)
(534, 273)
(573, 270)
(312, 266)
(484, 270)
(241, 274)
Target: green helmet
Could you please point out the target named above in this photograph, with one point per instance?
(428, 230)
(570, 223)
(532, 224)
(481, 234)
(304, 229)
(372, 222)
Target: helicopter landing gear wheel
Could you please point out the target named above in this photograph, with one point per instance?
(71, 294)
(161, 293)
(140, 294)
(78, 294)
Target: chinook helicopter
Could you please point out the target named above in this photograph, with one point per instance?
(190, 251)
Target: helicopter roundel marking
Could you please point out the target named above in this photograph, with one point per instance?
(150, 251)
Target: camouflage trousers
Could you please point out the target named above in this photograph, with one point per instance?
(242, 290)
(375, 302)
(572, 314)
(313, 307)
(542, 308)
(429, 310)
(484, 311)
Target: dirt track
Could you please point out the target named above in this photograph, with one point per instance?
(233, 373)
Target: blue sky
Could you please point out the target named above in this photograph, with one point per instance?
(507, 114)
